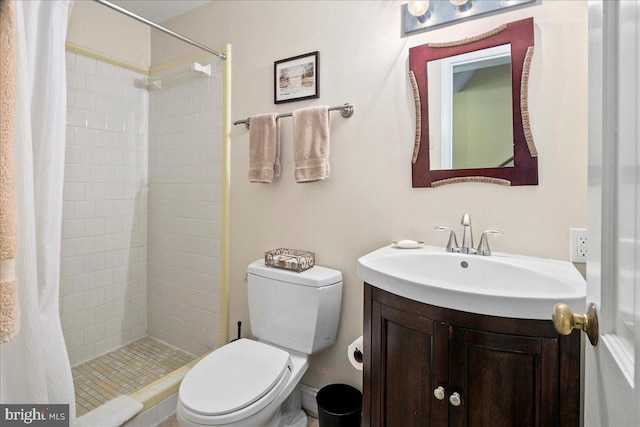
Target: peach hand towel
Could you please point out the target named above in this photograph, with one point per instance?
(311, 127)
(264, 148)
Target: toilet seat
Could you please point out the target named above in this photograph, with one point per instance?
(239, 375)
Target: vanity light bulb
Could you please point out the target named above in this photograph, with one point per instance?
(418, 8)
(462, 5)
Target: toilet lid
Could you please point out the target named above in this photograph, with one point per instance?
(233, 377)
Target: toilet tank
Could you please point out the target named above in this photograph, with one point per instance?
(297, 311)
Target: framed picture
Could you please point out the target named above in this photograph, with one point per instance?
(296, 78)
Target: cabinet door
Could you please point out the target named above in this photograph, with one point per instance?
(503, 380)
(408, 364)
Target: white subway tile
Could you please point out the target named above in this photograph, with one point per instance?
(70, 60)
(76, 80)
(84, 354)
(94, 227)
(84, 209)
(71, 97)
(104, 174)
(94, 262)
(66, 286)
(85, 136)
(86, 64)
(72, 229)
(106, 70)
(113, 225)
(74, 191)
(96, 85)
(103, 278)
(104, 243)
(120, 275)
(114, 89)
(104, 346)
(95, 190)
(115, 123)
(83, 282)
(85, 246)
(138, 332)
(72, 304)
(97, 120)
(85, 100)
(112, 259)
(103, 312)
(94, 298)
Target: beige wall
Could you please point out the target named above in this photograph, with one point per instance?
(368, 201)
(100, 29)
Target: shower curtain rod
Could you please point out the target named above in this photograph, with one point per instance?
(160, 28)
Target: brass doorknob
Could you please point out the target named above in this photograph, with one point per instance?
(564, 321)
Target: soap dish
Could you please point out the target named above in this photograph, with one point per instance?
(407, 244)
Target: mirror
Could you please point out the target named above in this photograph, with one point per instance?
(471, 106)
(470, 115)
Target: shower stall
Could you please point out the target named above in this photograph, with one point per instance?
(141, 286)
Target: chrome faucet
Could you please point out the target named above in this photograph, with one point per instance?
(467, 239)
(467, 235)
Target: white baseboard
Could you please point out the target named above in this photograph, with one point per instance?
(309, 400)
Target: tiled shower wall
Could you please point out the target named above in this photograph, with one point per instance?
(104, 230)
(141, 217)
(185, 149)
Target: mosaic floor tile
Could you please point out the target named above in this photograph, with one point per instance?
(124, 371)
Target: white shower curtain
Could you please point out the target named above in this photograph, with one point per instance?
(34, 367)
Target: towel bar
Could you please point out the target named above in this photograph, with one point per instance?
(346, 111)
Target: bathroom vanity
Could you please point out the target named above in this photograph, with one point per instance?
(456, 339)
(431, 366)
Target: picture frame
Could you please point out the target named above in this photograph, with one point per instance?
(296, 78)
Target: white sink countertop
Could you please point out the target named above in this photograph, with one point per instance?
(501, 284)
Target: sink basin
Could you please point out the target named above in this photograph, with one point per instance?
(502, 285)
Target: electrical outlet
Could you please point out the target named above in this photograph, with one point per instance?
(578, 245)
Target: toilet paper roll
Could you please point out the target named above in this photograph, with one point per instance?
(355, 353)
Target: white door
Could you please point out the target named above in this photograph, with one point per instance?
(612, 368)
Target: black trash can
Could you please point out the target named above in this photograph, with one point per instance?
(339, 405)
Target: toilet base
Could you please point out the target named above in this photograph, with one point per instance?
(291, 413)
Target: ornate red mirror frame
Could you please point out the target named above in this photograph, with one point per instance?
(525, 170)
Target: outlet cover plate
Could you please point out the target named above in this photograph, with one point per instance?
(578, 245)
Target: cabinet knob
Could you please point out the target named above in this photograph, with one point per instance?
(454, 399)
(439, 393)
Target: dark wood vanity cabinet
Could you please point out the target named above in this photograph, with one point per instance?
(506, 372)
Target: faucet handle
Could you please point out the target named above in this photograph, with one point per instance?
(483, 247)
(466, 220)
(452, 244)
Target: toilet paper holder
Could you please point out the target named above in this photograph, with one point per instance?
(355, 354)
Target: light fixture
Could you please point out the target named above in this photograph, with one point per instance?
(462, 5)
(419, 9)
(419, 16)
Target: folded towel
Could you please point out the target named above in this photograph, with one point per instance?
(264, 148)
(311, 143)
(9, 307)
(114, 413)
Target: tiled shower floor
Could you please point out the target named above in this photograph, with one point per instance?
(124, 371)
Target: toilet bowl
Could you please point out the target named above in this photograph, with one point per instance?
(257, 383)
(251, 382)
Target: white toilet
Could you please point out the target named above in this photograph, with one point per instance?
(257, 383)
